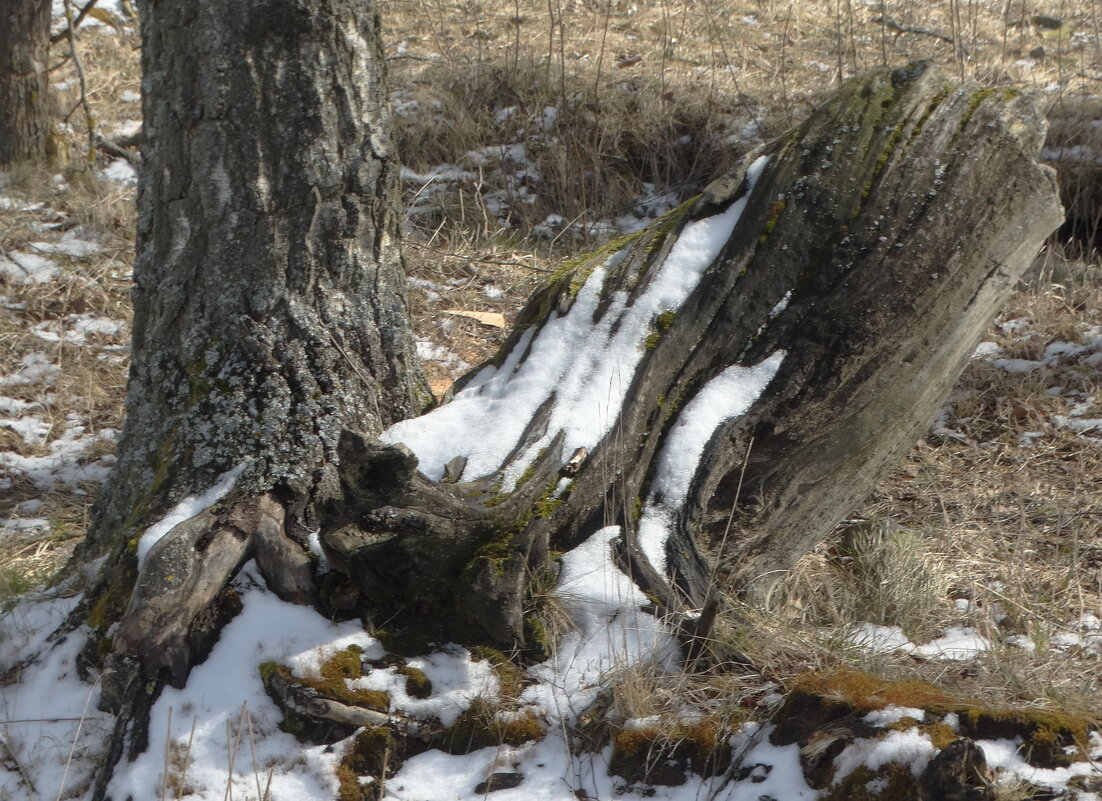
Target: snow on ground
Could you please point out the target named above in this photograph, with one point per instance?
(28, 268)
(587, 368)
(65, 463)
(224, 695)
(955, 642)
(1006, 755)
(1062, 365)
(121, 171)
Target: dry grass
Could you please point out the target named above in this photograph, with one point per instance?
(658, 97)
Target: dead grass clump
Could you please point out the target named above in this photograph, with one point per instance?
(879, 572)
(560, 159)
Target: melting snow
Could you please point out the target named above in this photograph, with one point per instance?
(121, 171)
(187, 509)
(893, 714)
(64, 464)
(955, 643)
(28, 268)
(584, 367)
(1006, 755)
(726, 396)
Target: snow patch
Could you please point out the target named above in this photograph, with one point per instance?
(725, 397)
(187, 509)
(583, 367)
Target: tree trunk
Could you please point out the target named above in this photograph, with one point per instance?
(24, 52)
(269, 313)
(724, 386)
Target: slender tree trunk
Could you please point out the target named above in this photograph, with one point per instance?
(24, 52)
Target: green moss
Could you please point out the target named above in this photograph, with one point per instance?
(417, 683)
(939, 98)
(892, 781)
(775, 212)
(535, 635)
(333, 683)
(496, 551)
(1049, 738)
(662, 324)
(111, 604)
(864, 692)
(664, 226)
(370, 754)
(511, 678)
(663, 755)
(579, 269)
(547, 507)
(483, 726)
(998, 93)
(530, 471)
(881, 162)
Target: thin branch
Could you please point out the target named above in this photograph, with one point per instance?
(890, 23)
(118, 150)
(74, 23)
(70, 32)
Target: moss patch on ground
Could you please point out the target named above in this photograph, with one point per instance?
(816, 700)
(664, 756)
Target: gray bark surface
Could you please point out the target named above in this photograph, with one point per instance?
(896, 221)
(24, 52)
(270, 308)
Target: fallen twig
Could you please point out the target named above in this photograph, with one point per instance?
(888, 22)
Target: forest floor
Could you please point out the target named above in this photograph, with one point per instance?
(530, 132)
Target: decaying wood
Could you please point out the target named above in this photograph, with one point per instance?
(893, 224)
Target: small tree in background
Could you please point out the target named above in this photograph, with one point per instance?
(24, 54)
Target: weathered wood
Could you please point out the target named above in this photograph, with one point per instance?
(883, 236)
(880, 240)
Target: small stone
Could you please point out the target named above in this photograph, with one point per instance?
(499, 781)
(453, 470)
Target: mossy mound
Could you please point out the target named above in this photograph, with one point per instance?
(372, 753)
(665, 756)
(417, 683)
(485, 725)
(820, 700)
(890, 782)
(511, 678)
(280, 683)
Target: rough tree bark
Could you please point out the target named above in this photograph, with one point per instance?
(271, 328)
(24, 51)
(270, 309)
